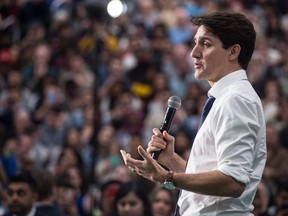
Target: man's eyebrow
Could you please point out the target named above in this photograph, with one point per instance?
(202, 38)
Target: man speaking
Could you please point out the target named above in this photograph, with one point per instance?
(228, 156)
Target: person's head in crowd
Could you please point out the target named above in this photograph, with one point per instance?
(65, 195)
(160, 81)
(272, 138)
(193, 94)
(15, 78)
(71, 89)
(6, 61)
(53, 119)
(22, 194)
(281, 198)
(272, 94)
(272, 90)
(76, 177)
(45, 185)
(13, 98)
(69, 156)
(122, 173)
(108, 192)
(162, 202)
(261, 199)
(105, 137)
(25, 145)
(182, 16)
(132, 200)
(53, 94)
(72, 137)
(42, 54)
(47, 204)
(21, 121)
(35, 32)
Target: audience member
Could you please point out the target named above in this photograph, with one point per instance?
(46, 204)
(276, 169)
(22, 195)
(132, 199)
(262, 200)
(162, 202)
(75, 176)
(66, 197)
(106, 200)
(280, 205)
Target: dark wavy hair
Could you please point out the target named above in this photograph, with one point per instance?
(140, 191)
(25, 177)
(230, 28)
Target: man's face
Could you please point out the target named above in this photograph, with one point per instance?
(211, 60)
(20, 198)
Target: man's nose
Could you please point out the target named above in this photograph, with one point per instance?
(196, 51)
(14, 196)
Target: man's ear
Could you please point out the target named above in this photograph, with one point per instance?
(234, 52)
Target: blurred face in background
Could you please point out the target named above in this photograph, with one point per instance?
(162, 203)
(20, 198)
(130, 205)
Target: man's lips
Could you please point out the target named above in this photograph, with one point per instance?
(197, 65)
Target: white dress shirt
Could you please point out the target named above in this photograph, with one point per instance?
(232, 140)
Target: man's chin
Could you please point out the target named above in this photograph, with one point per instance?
(16, 209)
(198, 76)
(198, 73)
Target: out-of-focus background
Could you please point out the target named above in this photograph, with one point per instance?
(82, 79)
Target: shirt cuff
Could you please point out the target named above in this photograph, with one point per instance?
(235, 172)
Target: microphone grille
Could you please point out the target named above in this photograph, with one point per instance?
(174, 102)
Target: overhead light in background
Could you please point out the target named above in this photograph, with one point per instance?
(116, 8)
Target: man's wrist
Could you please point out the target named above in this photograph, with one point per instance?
(169, 180)
(168, 161)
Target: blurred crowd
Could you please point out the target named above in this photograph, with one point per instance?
(77, 85)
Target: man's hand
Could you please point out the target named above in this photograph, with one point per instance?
(148, 167)
(162, 141)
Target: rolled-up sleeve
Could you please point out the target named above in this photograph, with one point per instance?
(236, 126)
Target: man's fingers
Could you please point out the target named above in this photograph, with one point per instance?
(151, 149)
(129, 161)
(127, 157)
(124, 156)
(156, 131)
(143, 153)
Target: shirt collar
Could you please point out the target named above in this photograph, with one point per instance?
(225, 81)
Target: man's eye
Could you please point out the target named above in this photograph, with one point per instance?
(206, 44)
(10, 193)
(19, 193)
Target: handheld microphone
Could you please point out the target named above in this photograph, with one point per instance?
(174, 103)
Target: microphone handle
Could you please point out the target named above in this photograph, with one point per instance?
(168, 118)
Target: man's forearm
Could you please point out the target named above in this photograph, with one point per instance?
(212, 183)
